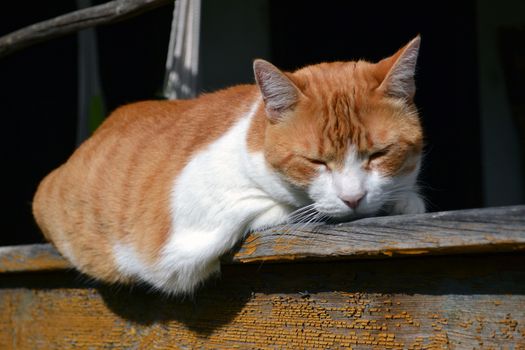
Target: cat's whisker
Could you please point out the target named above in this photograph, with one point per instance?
(301, 211)
(305, 207)
(299, 214)
(303, 220)
(299, 217)
(304, 214)
(311, 220)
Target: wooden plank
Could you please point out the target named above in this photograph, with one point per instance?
(31, 257)
(109, 12)
(464, 231)
(447, 302)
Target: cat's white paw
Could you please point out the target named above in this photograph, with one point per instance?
(410, 204)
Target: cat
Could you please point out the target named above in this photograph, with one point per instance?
(162, 189)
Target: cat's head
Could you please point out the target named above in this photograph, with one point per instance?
(347, 133)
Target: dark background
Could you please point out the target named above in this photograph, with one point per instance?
(38, 86)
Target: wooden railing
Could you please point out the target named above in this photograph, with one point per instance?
(371, 283)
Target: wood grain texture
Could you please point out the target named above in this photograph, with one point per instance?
(109, 12)
(447, 302)
(31, 257)
(455, 232)
(461, 231)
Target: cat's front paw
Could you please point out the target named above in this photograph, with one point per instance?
(410, 204)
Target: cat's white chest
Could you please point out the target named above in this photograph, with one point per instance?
(221, 193)
(216, 190)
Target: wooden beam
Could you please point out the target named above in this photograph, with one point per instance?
(31, 257)
(486, 230)
(453, 302)
(109, 12)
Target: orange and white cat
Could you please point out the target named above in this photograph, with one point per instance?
(164, 188)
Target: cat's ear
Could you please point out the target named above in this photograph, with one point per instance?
(279, 93)
(400, 69)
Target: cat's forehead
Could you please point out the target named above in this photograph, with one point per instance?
(343, 102)
(326, 79)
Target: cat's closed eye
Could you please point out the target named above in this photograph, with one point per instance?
(316, 161)
(378, 154)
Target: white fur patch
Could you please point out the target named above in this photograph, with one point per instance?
(129, 263)
(223, 192)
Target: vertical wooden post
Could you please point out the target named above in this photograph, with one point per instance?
(182, 64)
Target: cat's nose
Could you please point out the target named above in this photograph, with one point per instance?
(353, 200)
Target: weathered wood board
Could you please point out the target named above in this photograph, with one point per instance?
(314, 298)
(474, 302)
(462, 231)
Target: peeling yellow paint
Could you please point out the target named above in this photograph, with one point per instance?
(68, 318)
